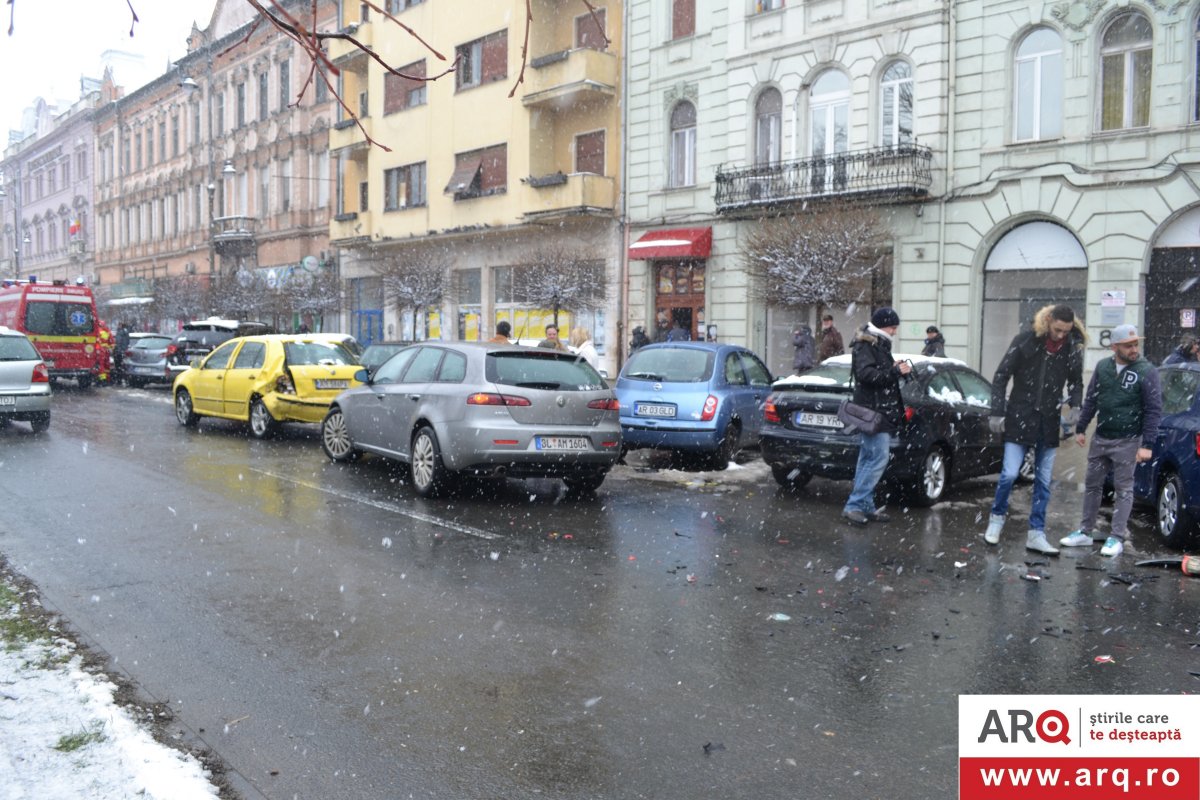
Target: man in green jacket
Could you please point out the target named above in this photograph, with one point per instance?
(1126, 396)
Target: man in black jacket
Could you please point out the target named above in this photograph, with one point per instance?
(1038, 362)
(877, 386)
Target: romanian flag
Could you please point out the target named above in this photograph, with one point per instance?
(74, 227)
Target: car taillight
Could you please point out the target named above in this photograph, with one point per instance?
(40, 374)
(611, 404)
(909, 413)
(770, 412)
(1198, 444)
(710, 409)
(493, 399)
(284, 385)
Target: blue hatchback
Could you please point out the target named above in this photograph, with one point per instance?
(1171, 480)
(699, 398)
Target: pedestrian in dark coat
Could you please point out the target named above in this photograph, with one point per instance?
(802, 340)
(876, 376)
(830, 344)
(677, 333)
(1039, 362)
(935, 343)
(639, 339)
(1188, 352)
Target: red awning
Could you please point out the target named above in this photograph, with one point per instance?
(673, 243)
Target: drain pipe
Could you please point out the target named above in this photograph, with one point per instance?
(951, 89)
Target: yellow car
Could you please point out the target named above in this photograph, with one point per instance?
(266, 380)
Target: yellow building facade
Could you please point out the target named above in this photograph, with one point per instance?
(497, 162)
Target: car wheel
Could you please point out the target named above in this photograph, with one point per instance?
(184, 411)
(429, 475)
(262, 424)
(335, 439)
(933, 478)
(135, 383)
(40, 422)
(1028, 470)
(585, 483)
(727, 447)
(790, 477)
(1176, 524)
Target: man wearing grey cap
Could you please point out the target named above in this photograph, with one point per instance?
(1126, 397)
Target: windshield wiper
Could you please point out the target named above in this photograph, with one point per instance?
(650, 376)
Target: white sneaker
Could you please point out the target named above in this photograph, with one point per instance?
(1076, 539)
(995, 523)
(1112, 547)
(1037, 542)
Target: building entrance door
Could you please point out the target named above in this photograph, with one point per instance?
(679, 297)
(1172, 299)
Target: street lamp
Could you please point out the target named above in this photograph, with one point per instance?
(190, 87)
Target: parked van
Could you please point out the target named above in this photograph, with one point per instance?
(61, 322)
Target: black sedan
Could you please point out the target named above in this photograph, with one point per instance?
(944, 437)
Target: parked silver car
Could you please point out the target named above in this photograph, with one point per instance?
(24, 382)
(451, 409)
(146, 360)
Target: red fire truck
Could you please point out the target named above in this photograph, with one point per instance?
(61, 322)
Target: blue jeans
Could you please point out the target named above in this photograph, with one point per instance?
(873, 452)
(1014, 456)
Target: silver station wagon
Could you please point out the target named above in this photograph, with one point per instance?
(454, 409)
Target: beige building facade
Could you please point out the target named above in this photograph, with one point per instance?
(480, 173)
(217, 173)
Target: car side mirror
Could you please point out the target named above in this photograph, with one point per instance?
(363, 376)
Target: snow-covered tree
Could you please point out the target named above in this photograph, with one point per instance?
(561, 278)
(180, 297)
(832, 255)
(415, 283)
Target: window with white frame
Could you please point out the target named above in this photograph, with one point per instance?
(1038, 85)
(683, 145)
(1126, 58)
(768, 127)
(896, 105)
(1196, 67)
(829, 114)
(767, 5)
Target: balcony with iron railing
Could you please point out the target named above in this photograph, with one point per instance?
(234, 234)
(884, 173)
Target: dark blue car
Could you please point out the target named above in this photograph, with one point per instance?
(1171, 480)
(698, 398)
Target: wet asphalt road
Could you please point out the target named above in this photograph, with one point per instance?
(330, 635)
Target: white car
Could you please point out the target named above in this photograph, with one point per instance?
(24, 382)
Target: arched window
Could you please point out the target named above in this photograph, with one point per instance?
(829, 114)
(896, 105)
(1038, 80)
(768, 127)
(1125, 72)
(683, 145)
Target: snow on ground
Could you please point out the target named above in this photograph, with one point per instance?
(63, 736)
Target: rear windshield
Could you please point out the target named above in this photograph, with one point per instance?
(17, 348)
(152, 343)
(548, 370)
(670, 365)
(302, 353)
(823, 375)
(208, 339)
(58, 319)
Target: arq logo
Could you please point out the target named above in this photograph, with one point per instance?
(1051, 727)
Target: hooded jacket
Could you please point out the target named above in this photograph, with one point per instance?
(802, 340)
(1031, 410)
(876, 376)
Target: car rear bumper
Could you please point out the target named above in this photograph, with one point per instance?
(488, 450)
(687, 439)
(149, 372)
(13, 404)
(830, 455)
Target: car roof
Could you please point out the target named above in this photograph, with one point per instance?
(1190, 366)
(711, 346)
(845, 358)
